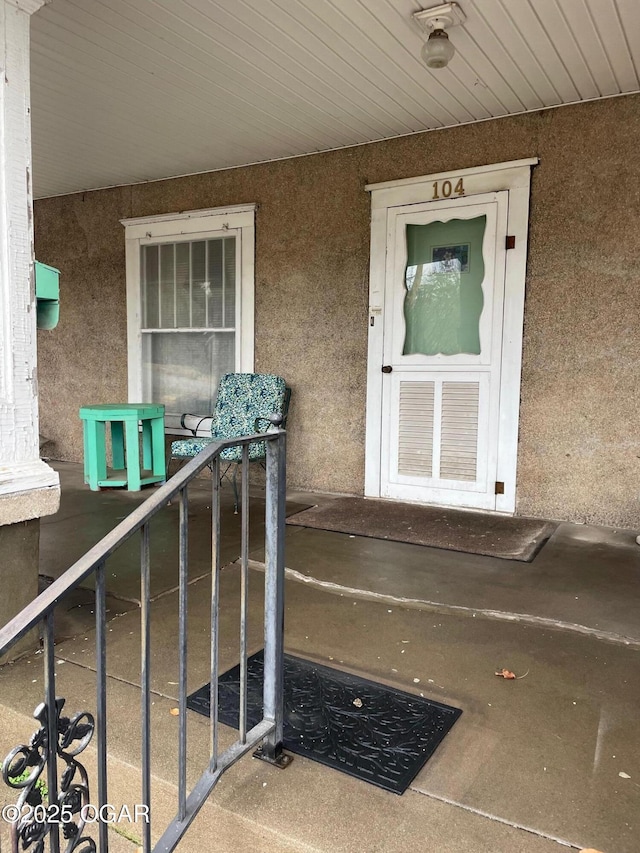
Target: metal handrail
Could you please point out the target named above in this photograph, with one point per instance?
(60, 739)
(45, 602)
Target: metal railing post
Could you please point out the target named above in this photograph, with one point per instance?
(244, 593)
(52, 725)
(276, 486)
(182, 652)
(215, 610)
(101, 699)
(145, 679)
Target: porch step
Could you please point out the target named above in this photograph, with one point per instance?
(309, 809)
(215, 829)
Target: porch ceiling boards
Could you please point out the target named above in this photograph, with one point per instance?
(133, 90)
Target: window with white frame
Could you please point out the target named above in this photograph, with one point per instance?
(190, 304)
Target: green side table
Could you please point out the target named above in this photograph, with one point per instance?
(124, 420)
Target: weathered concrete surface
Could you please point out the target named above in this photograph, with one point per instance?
(489, 762)
(18, 576)
(585, 577)
(578, 451)
(85, 517)
(531, 762)
(32, 503)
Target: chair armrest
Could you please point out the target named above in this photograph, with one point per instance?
(271, 421)
(192, 423)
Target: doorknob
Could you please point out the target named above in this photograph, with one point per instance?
(387, 368)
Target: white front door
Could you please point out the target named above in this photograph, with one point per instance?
(446, 308)
(443, 310)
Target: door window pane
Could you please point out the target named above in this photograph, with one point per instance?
(443, 282)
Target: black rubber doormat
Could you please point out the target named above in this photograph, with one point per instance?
(373, 732)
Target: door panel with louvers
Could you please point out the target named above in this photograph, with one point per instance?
(459, 432)
(415, 432)
(439, 423)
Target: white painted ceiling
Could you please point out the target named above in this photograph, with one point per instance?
(134, 90)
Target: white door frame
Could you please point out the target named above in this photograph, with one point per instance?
(515, 177)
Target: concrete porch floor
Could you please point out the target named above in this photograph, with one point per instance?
(533, 765)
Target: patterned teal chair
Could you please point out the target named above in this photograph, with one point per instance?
(244, 405)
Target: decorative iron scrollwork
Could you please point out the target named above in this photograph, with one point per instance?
(39, 810)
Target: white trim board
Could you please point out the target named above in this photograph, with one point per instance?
(490, 168)
(483, 179)
(190, 221)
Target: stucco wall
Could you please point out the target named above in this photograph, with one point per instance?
(19, 546)
(579, 444)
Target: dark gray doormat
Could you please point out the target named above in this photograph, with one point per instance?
(457, 530)
(375, 733)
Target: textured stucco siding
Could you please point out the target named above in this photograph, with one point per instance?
(579, 447)
(19, 546)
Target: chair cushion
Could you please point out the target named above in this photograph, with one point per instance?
(242, 397)
(187, 448)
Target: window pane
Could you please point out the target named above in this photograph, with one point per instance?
(182, 369)
(198, 285)
(230, 282)
(167, 288)
(183, 286)
(150, 287)
(187, 285)
(214, 307)
(443, 280)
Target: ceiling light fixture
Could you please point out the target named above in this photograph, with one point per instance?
(438, 50)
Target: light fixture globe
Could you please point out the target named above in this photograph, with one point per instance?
(437, 51)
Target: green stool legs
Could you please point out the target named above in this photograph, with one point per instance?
(124, 420)
(95, 460)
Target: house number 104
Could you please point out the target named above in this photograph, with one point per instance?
(443, 189)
